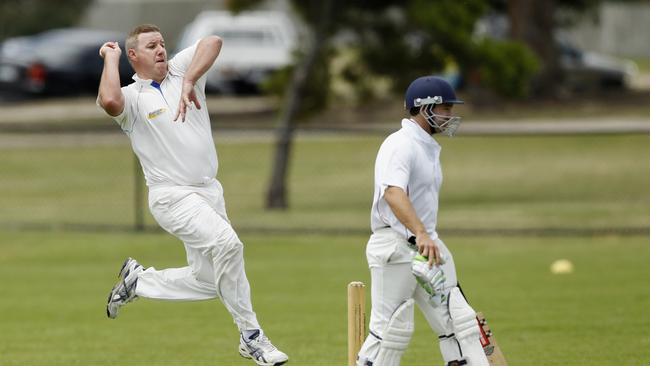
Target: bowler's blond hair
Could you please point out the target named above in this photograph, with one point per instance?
(132, 39)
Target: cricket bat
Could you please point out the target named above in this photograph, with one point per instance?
(489, 343)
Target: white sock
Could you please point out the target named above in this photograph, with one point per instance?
(250, 334)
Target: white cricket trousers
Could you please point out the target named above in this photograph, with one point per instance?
(392, 283)
(197, 216)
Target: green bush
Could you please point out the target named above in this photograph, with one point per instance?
(25, 17)
(506, 67)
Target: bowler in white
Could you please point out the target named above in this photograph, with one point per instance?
(164, 114)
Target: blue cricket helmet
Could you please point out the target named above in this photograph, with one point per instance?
(429, 90)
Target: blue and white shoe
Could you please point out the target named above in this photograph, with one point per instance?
(124, 290)
(259, 348)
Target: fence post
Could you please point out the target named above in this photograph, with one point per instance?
(138, 196)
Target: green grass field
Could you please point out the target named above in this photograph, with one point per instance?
(490, 182)
(55, 282)
(643, 64)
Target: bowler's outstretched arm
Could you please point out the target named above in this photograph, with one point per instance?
(110, 92)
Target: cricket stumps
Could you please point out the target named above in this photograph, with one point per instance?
(356, 319)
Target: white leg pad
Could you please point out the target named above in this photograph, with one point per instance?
(466, 329)
(449, 349)
(396, 335)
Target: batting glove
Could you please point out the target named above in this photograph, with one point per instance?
(432, 279)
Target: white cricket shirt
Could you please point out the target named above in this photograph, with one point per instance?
(410, 159)
(171, 153)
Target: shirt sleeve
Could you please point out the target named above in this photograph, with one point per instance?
(124, 119)
(397, 170)
(181, 62)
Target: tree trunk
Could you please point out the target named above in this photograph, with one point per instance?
(533, 22)
(276, 197)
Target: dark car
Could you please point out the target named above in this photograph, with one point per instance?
(583, 70)
(57, 62)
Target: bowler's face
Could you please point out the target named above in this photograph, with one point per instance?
(152, 55)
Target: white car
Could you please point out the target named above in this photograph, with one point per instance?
(255, 44)
(591, 70)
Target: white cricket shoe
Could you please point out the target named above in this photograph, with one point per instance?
(260, 350)
(124, 290)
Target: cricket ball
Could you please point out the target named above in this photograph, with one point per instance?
(561, 266)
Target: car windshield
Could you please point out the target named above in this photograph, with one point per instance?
(59, 47)
(15, 48)
(248, 37)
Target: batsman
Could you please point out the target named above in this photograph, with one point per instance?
(409, 263)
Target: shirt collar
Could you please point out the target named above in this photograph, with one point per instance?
(140, 80)
(414, 130)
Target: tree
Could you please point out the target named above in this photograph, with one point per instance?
(319, 12)
(26, 17)
(426, 36)
(535, 23)
(398, 39)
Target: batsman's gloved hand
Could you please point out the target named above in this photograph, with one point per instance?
(432, 279)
